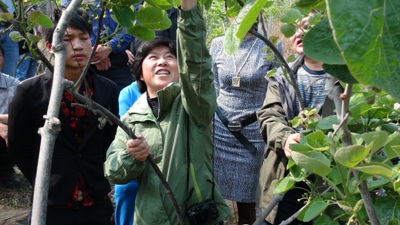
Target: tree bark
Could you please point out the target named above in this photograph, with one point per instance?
(51, 127)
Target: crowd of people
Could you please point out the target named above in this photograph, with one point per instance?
(205, 118)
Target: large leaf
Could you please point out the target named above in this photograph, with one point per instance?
(33, 38)
(392, 148)
(375, 168)
(242, 24)
(314, 162)
(16, 36)
(37, 17)
(125, 2)
(143, 33)
(378, 138)
(387, 208)
(292, 16)
(367, 33)
(300, 147)
(6, 16)
(318, 141)
(350, 156)
(312, 210)
(325, 220)
(341, 72)
(318, 44)
(310, 4)
(124, 15)
(284, 185)
(154, 18)
(162, 4)
(327, 123)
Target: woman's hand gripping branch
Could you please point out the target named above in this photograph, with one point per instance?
(138, 147)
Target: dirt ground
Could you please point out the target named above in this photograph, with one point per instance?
(15, 203)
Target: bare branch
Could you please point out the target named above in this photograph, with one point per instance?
(271, 205)
(51, 128)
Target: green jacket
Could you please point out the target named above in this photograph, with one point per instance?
(279, 107)
(185, 114)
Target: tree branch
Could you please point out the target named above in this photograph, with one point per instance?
(51, 127)
(347, 141)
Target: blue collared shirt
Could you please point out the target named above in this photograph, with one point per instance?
(8, 85)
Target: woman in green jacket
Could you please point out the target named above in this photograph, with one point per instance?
(172, 120)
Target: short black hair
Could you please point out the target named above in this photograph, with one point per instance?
(79, 20)
(142, 52)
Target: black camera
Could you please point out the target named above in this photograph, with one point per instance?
(203, 213)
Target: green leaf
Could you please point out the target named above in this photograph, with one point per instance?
(37, 17)
(154, 18)
(269, 4)
(378, 138)
(6, 16)
(350, 156)
(375, 168)
(300, 148)
(387, 208)
(33, 38)
(345, 206)
(16, 36)
(334, 176)
(291, 58)
(377, 182)
(314, 162)
(125, 2)
(358, 206)
(206, 3)
(327, 123)
(360, 109)
(271, 72)
(143, 33)
(389, 127)
(284, 185)
(318, 44)
(311, 4)
(312, 210)
(292, 16)
(367, 34)
(162, 4)
(242, 24)
(296, 121)
(297, 173)
(341, 72)
(124, 15)
(318, 141)
(288, 30)
(325, 220)
(392, 148)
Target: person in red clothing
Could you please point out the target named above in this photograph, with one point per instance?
(78, 190)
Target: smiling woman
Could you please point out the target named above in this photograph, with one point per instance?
(171, 120)
(159, 68)
(151, 54)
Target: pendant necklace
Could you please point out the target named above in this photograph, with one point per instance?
(236, 76)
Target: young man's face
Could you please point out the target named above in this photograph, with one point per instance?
(78, 46)
(297, 39)
(159, 68)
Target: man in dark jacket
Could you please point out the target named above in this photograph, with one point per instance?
(78, 190)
